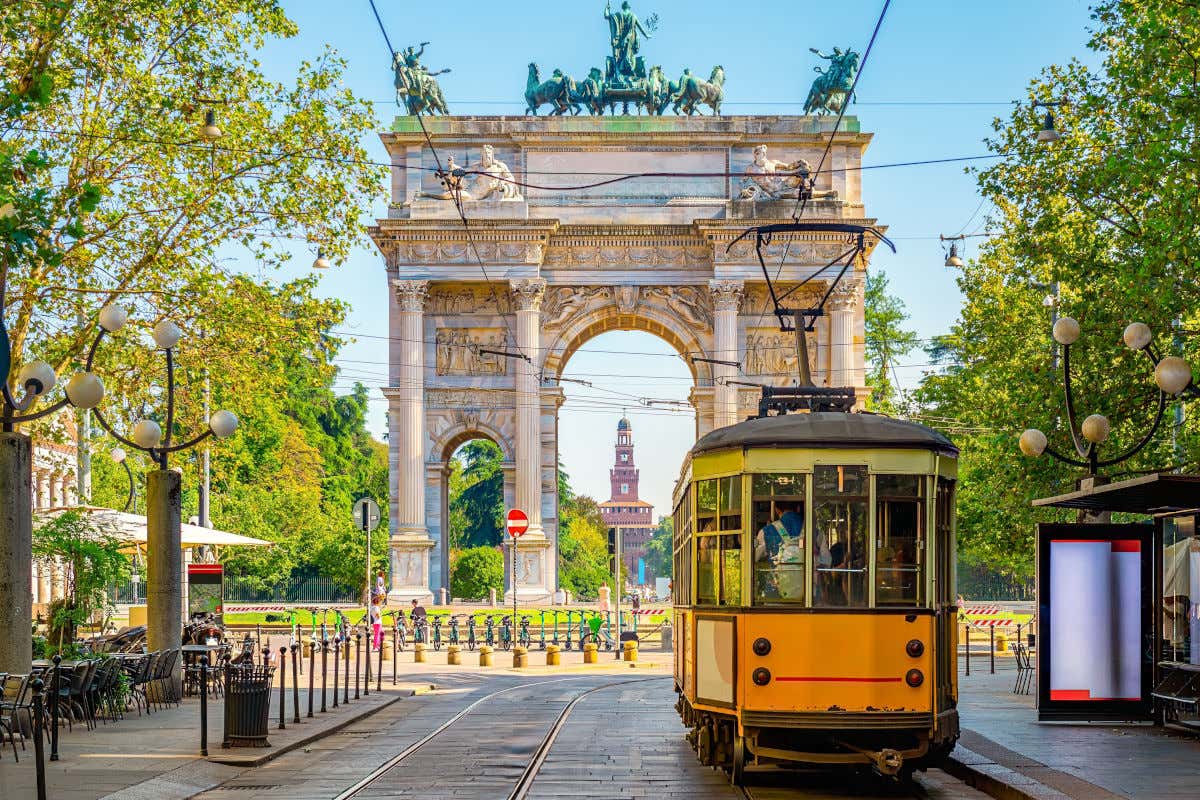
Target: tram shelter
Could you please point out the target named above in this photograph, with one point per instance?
(1165, 644)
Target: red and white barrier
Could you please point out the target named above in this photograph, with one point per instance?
(981, 611)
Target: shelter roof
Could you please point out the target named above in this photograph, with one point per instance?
(1148, 494)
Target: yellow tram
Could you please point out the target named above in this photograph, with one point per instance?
(814, 602)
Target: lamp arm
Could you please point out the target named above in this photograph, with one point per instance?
(36, 415)
(1162, 406)
(91, 356)
(109, 430)
(1079, 446)
(192, 443)
(129, 473)
(1055, 454)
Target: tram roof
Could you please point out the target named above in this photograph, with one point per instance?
(826, 429)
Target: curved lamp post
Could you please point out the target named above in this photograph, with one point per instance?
(34, 382)
(117, 454)
(164, 555)
(1172, 375)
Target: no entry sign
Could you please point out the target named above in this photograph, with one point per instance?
(517, 522)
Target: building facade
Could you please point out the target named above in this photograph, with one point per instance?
(579, 226)
(625, 512)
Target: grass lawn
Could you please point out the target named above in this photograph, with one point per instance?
(278, 619)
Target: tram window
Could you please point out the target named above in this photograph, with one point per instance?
(708, 570)
(731, 570)
(900, 543)
(840, 526)
(706, 506)
(730, 503)
(777, 519)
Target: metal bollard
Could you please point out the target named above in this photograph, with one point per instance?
(282, 686)
(38, 753)
(367, 665)
(379, 672)
(346, 698)
(204, 705)
(992, 647)
(967, 633)
(357, 663)
(55, 685)
(337, 652)
(395, 651)
(312, 672)
(296, 664)
(324, 670)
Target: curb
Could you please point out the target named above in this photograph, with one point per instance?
(989, 784)
(276, 752)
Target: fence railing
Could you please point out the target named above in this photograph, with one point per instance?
(297, 589)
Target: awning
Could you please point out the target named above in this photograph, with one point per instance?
(132, 528)
(1149, 494)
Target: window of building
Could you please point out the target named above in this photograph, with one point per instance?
(624, 456)
(899, 540)
(624, 488)
(777, 519)
(840, 526)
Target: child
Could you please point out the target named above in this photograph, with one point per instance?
(377, 622)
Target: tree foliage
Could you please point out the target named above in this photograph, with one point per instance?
(477, 500)
(886, 341)
(658, 552)
(477, 570)
(1108, 216)
(583, 548)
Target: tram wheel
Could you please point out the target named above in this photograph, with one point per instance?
(737, 764)
(704, 745)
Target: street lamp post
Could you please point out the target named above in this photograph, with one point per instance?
(1172, 375)
(164, 557)
(34, 380)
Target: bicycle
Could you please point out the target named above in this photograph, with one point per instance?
(523, 634)
(490, 632)
(437, 633)
(398, 627)
(420, 630)
(454, 629)
(542, 631)
(471, 632)
(555, 641)
(506, 636)
(569, 613)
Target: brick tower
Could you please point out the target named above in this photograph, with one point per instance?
(624, 511)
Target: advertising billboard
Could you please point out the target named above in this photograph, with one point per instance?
(1095, 626)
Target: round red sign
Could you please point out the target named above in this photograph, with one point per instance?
(516, 522)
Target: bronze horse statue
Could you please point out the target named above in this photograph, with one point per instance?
(556, 92)
(695, 91)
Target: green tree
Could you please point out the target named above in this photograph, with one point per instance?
(94, 558)
(583, 547)
(477, 570)
(659, 552)
(1107, 216)
(480, 502)
(886, 341)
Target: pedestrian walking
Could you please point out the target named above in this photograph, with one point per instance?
(377, 622)
(380, 589)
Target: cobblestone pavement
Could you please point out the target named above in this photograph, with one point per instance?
(621, 740)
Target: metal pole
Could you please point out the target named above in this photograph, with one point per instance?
(514, 590)
(369, 635)
(206, 478)
(617, 591)
(324, 665)
(346, 648)
(992, 647)
(379, 671)
(282, 685)
(967, 633)
(164, 560)
(37, 737)
(395, 648)
(16, 552)
(296, 661)
(312, 672)
(337, 643)
(204, 705)
(55, 685)
(357, 663)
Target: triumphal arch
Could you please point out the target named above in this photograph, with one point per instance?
(484, 316)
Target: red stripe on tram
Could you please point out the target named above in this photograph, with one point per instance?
(824, 679)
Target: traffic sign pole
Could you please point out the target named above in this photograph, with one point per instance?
(517, 522)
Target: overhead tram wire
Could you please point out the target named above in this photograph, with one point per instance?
(802, 198)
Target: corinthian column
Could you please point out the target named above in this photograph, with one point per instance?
(406, 435)
(842, 305)
(527, 294)
(727, 299)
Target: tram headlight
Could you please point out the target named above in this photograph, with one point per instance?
(761, 676)
(761, 646)
(915, 648)
(914, 678)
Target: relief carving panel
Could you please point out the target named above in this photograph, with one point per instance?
(771, 352)
(458, 351)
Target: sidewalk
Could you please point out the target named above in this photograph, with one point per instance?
(158, 755)
(1006, 752)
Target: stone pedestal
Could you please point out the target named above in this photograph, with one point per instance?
(533, 570)
(410, 570)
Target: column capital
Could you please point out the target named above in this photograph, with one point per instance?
(845, 296)
(411, 295)
(726, 294)
(527, 293)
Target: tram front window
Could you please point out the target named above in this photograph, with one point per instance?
(840, 526)
(778, 523)
(899, 545)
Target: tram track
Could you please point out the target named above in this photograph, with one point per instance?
(538, 757)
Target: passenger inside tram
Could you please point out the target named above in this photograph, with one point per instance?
(779, 555)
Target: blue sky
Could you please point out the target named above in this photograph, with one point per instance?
(939, 73)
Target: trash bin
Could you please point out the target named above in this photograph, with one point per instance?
(247, 705)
